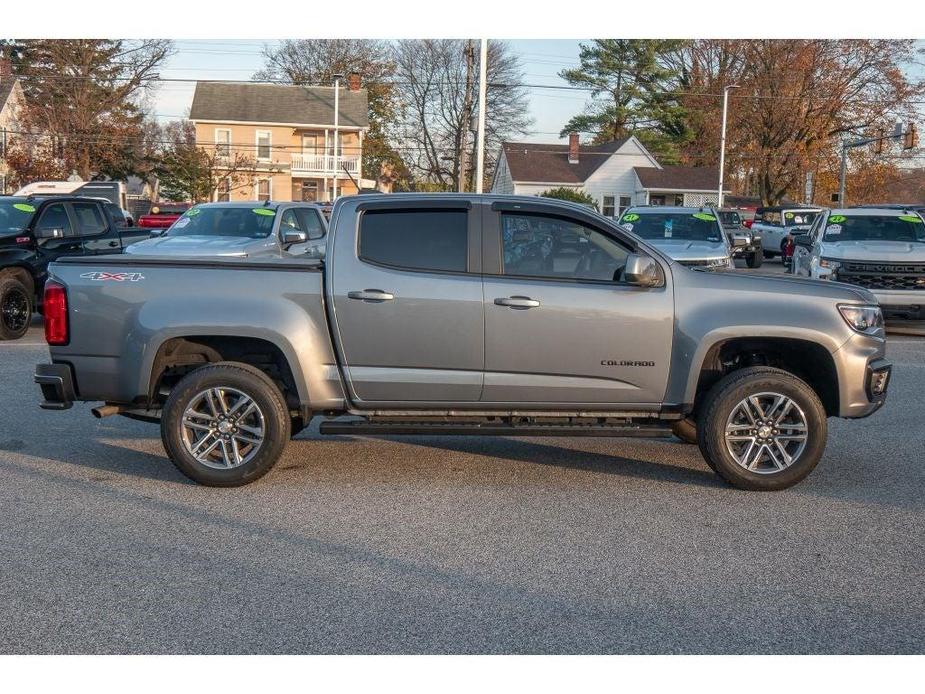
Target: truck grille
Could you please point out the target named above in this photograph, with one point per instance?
(898, 276)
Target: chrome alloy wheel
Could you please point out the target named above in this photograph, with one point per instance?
(766, 433)
(223, 428)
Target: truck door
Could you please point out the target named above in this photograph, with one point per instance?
(96, 235)
(407, 297)
(560, 325)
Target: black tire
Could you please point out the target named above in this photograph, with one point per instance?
(685, 429)
(755, 259)
(719, 405)
(15, 309)
(241, 378)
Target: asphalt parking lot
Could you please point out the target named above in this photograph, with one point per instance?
(455, 545)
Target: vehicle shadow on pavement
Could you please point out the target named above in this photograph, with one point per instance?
(528, 451)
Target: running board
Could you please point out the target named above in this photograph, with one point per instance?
(334, 428)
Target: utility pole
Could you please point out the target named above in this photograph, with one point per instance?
(483, 95)
(337, 79)
(722, 143)
(466, 124)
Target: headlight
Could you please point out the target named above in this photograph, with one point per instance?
(829, 263)
(862, 318)
(717, 263)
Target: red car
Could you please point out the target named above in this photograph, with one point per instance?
(163, 215)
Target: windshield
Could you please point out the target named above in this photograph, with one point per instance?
(240, 222)
(907, 227)
(799, 217)
(691, 226)
(15, 214)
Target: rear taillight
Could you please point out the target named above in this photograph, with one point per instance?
(55, 313)
(748, 223)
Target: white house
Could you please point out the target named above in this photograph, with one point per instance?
(616, 174)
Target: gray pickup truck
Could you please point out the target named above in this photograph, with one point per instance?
(464, 315)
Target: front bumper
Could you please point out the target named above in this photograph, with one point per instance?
(864, 376)
(57, 384)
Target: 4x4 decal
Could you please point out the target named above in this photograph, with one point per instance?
(113, 276)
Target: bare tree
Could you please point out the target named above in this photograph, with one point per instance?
(435, 81)
(316, 61)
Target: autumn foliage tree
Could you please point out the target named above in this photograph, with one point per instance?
(84, 108)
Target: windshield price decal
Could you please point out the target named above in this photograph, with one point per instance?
(630, 217)
(23, 207)
(704, 216)
(836, 219)
(910, 218)
(264, 212)
(113, 276)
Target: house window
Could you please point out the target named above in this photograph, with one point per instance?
(224, 191)
(309, 144)
(625, 201)
(679, 200)
(222, 143)
(656, 199)
(3, 142)
(264, 190)
(263, 145)
(607, 206)
(2, 184)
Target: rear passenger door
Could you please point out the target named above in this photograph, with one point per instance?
(96, 235)
(407, 295)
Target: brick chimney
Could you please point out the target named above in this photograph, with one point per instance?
(573, 148)
(353, 80)
(6, 68)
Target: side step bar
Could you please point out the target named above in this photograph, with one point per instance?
(334, 428)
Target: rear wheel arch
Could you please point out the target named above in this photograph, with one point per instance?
(178, 355)
(809, 361)
(20, 273)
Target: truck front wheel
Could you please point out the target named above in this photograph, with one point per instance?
(225, 425)
(762, 429)
(754, 259)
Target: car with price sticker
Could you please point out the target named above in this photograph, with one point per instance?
(241, 230)
(775, 224)
(691, 235)
(36, 230)
(879, 249)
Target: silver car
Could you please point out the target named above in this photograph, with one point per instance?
(774, 224)
(242, 230)
(693, 236)
(882, 250)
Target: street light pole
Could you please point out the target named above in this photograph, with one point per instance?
(483, 91)
(722, 142)
(337, 79)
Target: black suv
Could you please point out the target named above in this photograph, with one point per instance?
(35, 231)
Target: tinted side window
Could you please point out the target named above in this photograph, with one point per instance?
(416, 239)
(539, 246)
(118, 217)
(311, 224)
(89, 218)
(54, 217)
(289, 222)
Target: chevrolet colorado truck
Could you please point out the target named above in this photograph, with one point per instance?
(445, 314)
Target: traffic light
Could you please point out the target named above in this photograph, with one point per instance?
(911, 139)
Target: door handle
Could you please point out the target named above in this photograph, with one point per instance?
(518, 302)
(373, 295)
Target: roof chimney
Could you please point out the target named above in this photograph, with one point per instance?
(6, 68)
(354, 81)
(573, 148)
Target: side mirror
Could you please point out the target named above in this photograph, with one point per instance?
(802, 240)
(156, 232)
(291, 236)
(642, 271)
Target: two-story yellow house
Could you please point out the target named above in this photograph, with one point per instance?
(287, 134)
(11, 100)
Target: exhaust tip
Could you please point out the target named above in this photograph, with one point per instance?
(105, 411)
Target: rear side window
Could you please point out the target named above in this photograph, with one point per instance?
(416, 239)
(89, 218)
(118, 217)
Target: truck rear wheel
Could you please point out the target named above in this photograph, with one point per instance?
(15, 309)
(755, 259)
(225, 425)
(762, 429)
